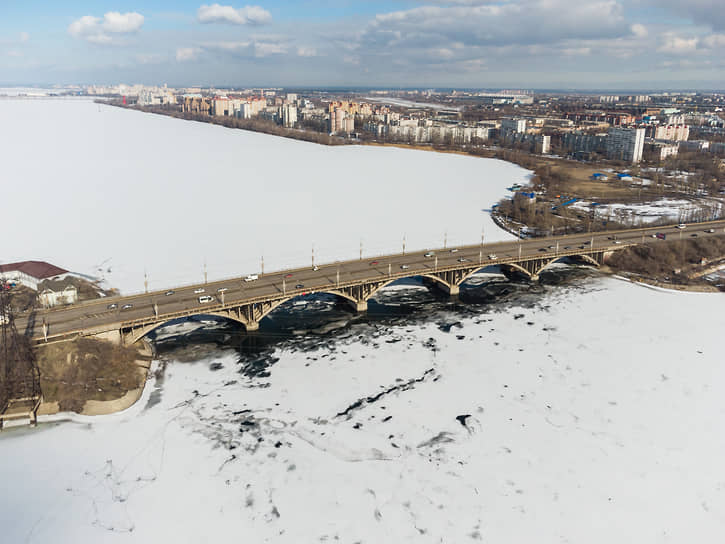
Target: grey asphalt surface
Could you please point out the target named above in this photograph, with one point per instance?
(96, 314)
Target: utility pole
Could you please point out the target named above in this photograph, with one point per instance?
(361, 249)
(284, 287)
(222, 299)
(313, 255)
(205, 276)
(145, 282)
(337, 280)
(262, 265)
(156, 309)
(403, 244)
(480, 256)
(445, 240)
(390, 269)
(435, 264)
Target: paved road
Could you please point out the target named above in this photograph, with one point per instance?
(99, 313)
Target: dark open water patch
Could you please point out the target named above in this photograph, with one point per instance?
(307, 323)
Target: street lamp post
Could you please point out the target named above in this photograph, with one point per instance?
(262, 265)
(403, 244)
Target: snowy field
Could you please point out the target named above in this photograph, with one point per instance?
(668, 209)
(114, 193)
(592, 416)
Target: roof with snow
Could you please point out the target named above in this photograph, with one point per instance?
(35, 269)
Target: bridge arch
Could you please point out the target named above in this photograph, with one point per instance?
(584, 257)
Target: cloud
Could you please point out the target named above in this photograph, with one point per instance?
(705, 12)
(714, 41)
(248, 15)
(251, 49)
(676, 45)
(102, 30)
(639, 30)
(185, 54)
(306, 51)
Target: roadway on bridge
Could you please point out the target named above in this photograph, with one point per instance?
(96, 313)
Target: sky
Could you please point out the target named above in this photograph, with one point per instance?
(530, 44)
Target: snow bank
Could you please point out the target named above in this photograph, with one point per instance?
(113, 193)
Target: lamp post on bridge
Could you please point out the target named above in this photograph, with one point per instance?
(145, 282)
(361, 249)
(403, 244)
(435, 264)
(445, 239)
(262, 265)
(205, 275)
(313, 255)
(337, 279)
(284, 287)
(390, 269)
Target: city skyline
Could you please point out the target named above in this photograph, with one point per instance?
(552, 44)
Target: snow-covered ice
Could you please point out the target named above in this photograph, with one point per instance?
(591, 417)
(116, 193)
(663, 209)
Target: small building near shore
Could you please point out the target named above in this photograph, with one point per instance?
(31, 273)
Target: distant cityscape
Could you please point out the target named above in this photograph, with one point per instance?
(626, 128)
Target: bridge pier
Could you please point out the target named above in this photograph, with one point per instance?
(359, 305)
(251, 326)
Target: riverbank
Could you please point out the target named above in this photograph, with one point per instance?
(91, 377)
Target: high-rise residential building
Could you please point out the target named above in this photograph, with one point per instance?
(289, 115)
(672, 132)
(512, 124)
(625, 144)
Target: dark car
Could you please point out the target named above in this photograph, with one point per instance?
(299, 286)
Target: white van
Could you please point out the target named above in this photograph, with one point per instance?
(205, 298)
(251, 277)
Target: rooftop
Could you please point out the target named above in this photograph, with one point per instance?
(35, 269)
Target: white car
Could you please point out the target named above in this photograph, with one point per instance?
(492, 256)
(251, 277)
(199, 290)
(205, 299)
(222, 289)
(404, 267)
(429, 254)
(681, 226)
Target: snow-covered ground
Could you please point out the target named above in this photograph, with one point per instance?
(592, 416)
(114, 193)
(668, 209)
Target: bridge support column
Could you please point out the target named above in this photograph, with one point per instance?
(251, 326)
(359, 305)
(452, 290)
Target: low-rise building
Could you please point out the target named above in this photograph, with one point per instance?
(31, 273)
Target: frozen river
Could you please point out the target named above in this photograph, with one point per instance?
(582, 412)
(116, 193)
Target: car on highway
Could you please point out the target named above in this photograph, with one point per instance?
(288, 275)
(198, 290)
(204, 299)
(710, 231)
(428, 254)
(462, 260)
(587, 243)
(404, 267)
(492, 256)
(300, 286)
(112, 306)
(251, 277)
(454, 250)
(618, 241)
(127, 306)
(543, 249)
(315, 268)
(582, 247)
(567, 247)
(694, 234)
(550, 247)
(681, 226)
(373, 263)
(169, 293)
(653, 235)
(222, 289)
